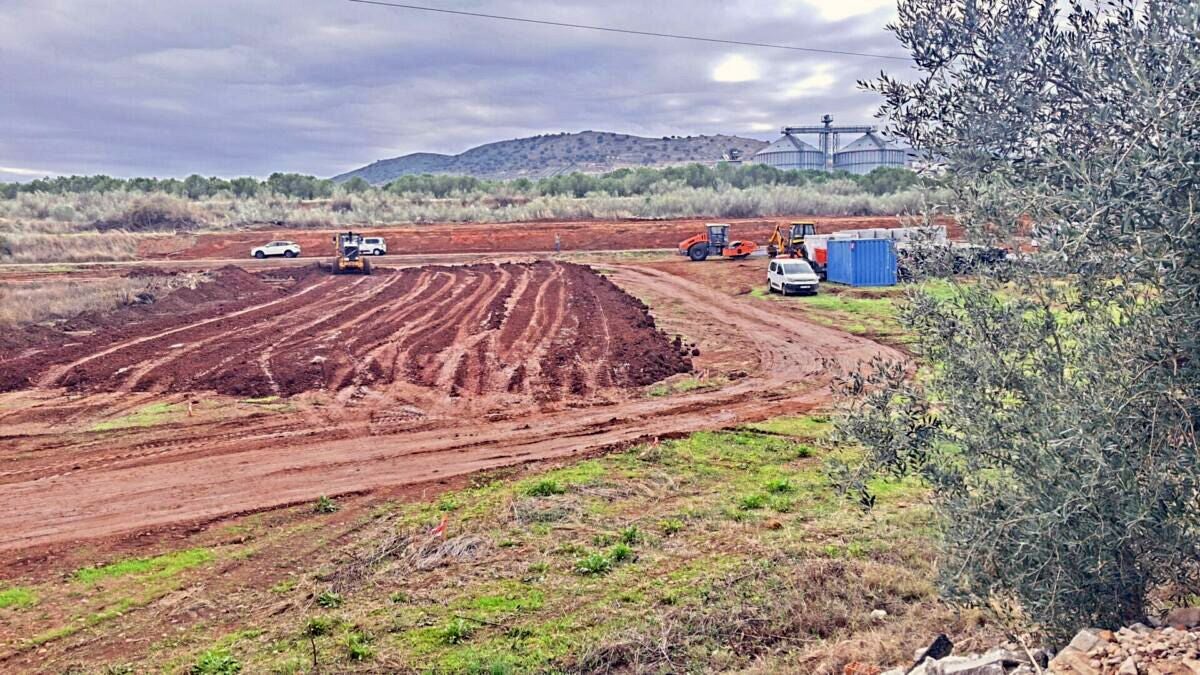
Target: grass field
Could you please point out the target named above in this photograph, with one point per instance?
(720, 550)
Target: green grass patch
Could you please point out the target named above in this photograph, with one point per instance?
(161, 566)
(18, 597)
(146, 416)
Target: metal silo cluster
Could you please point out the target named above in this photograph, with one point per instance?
(867, 153)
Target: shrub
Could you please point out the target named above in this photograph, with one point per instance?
(325, 505)
(358, 646)
(780, 486)
(457, 631)
(216, 662)
(594, 564)
(329, 600)
(752, 502)
(671, 526)
(545, 488)
(621, 553)
(318, 626)
(630, 535)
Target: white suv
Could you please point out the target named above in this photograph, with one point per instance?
(374, 246)
(792, 276)
(287, 249)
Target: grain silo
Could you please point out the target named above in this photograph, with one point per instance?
(871, 151)
(790, 152)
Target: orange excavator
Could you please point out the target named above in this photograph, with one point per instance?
(715, 241)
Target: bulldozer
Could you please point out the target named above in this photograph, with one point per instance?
(715, 241)
(789, 240)
(348, 254)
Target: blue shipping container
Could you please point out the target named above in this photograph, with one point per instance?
(862, 262)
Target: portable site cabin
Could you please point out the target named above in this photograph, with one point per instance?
(862, 262)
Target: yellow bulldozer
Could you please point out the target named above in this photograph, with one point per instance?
(348, 254)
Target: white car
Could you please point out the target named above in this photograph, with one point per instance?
(792, 276)
(287, 249)
(374, 246)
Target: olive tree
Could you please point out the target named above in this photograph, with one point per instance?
(1054, 408)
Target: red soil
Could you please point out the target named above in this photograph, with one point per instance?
(582, 235)
(543, 330)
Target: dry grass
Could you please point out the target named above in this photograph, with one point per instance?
(79, 247)
(35, 302)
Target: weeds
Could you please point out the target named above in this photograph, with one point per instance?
(545, 488)
(457, 631)
(621, 553)
(318, 626)
(670, 526)
(630, 535)
(595, 564)
(216, 662)
(161, 566)
(752, 502)
(325, 505)
(358, 646)
(329, 600)
(17, 596)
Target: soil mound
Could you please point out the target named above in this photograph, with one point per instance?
(544, 331)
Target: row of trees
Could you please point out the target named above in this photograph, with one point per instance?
(622, 183)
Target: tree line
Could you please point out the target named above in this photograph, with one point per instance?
(621, 183)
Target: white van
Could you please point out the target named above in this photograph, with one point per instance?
(374, 246)
(792, 275)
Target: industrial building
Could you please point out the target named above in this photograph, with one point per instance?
(865, 154)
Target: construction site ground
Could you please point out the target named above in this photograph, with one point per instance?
(191, 448)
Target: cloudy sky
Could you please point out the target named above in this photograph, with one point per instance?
(247, 87)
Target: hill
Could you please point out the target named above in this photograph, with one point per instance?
(552, 154)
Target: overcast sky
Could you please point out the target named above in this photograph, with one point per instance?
(247, 87)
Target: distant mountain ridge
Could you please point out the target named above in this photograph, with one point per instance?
(553, 154)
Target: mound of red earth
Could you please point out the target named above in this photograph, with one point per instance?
(547, 331)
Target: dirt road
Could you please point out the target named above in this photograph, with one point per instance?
(62, 485)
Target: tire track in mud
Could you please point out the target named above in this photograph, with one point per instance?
(203, 476)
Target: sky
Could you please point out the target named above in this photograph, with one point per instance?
(247, 87)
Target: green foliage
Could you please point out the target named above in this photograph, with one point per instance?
(594, 564)
(1057, 428)
(457, 631)
(358, 646)
(17, 596)
(620, 553)
(670, 526)
(752, 502)
(216, 662)
(329, 600)
(780, 486)
(631, 535)
(325, 505)
(545, 488)
(165, 565)
(318, 626)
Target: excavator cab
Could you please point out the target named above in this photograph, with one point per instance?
(348, 254)
(789, 240)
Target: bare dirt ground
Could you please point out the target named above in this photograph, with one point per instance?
(74, 473)
(438, 238)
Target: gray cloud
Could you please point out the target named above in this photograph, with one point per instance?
(233, 87)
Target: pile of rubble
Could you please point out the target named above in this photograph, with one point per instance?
(1171, 647)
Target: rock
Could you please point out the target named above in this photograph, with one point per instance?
(1072, 660)
(1087, 639)
(1128, 667)
(1185, 617)
(879, 614)
(1139, 628)
(979, 665)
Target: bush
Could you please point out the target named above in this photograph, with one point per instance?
(594, 564)
(318, 626)
(358, 646)
(671, 526)
(545, 488)
(329, 600)
(630, 535)
(620, 553)
(325, 505)
(457, 631)
(216, 662)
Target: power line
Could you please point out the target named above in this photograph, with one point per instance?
(608, 29)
